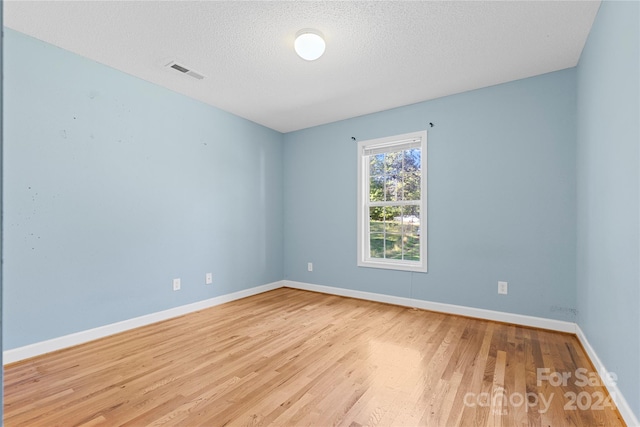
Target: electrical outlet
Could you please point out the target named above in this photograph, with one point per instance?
(176, 284)
(503, 288)
(309, 266)
(208, 279)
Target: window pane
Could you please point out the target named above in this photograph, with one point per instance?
(392, 171)
(411, 233)
(395, 232)
(376, 188)
(395, 176)
(376, 245)
(393, 163)
(410, 186)
(412, 160)
(393, 224)
(390, 189)
(411, 174)
(376, 164)
(393, 246)
(376, 220)
(411, 248)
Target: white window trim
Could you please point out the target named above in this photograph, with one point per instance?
(364, 260)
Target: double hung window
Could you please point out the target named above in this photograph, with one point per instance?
(392, 202)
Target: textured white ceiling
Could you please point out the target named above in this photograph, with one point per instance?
(379, 54)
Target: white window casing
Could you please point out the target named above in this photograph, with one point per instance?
(396, 237)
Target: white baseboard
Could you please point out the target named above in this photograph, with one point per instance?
(498, 316)
(39, 348)
(36, 349)
(622, 404)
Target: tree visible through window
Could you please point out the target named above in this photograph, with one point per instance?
(392, 202)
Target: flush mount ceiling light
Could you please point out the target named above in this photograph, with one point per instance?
(309, 44)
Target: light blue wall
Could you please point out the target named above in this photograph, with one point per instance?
(114, 186)
(501, 195)
(608, 136)
(1, 210)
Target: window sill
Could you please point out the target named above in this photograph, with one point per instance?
(387, 265)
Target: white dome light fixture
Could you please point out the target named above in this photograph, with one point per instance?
(309, 44)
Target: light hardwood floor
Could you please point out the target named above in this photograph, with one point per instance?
(292, 358)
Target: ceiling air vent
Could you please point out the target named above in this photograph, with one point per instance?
(184, 70)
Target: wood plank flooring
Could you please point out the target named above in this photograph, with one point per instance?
(295, 358)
